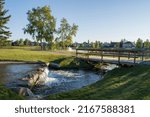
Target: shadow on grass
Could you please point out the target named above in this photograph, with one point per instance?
(121, 83)
(72, 63)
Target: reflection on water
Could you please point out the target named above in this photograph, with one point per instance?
(12, 72)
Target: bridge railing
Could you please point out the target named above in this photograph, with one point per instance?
(125, 54)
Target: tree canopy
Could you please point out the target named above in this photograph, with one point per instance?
(4, 18)
(66, 33)
(41, 24)
(139, 43)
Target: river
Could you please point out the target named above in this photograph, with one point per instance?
(57, 81)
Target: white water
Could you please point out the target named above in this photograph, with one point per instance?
(55, 78)
(70, 78)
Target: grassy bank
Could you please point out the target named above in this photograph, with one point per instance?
(120, 83)
(6, 94)
(28, 55)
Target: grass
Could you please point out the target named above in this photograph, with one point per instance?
(73, 63)
(6, 94)
(28, 55)
(120, 83)
(37, 48)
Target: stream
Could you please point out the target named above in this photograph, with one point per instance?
(56, 82)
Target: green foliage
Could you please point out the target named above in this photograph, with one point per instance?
(120, 83)
(66, 33)
(72, 63)
(41, 24)
(27, 42)
(96, 44)
(6, 94)
(147, 44)
(139, 43)
(4, 18)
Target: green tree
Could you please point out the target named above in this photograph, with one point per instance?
(139, 43)
(97, 44)
(92, 45)
(66, 33)
(27, 42)
(21, 42)
(41, 24)
(146, 44)
(4, 18)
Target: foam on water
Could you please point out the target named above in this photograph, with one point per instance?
(55, 78)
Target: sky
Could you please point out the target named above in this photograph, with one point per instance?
(102, 20)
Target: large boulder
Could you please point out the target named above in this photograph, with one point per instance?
(37, 78)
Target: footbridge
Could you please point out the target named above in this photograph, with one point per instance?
(115, 56)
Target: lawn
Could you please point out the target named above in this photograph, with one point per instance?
(28, 55)
(120, 83)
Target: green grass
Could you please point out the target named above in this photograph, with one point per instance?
(28, 55)
(120, 83)
(73, 63)
(37, 48)
(6, 94)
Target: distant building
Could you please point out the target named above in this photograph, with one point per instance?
(114, 44)
(106, 45)
(76, 44)
(86, 45)
(128, 44)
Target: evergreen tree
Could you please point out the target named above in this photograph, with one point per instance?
(4, 18)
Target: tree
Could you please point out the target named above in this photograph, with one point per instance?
(27, 42)
(41, 24)
(139, 43)
(147, 44)
(21, 42)
(66, 33)
(4, 18)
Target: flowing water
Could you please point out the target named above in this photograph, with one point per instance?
(10, 73)
(57, 80)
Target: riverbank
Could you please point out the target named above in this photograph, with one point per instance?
(120, 83)
(126, 83)
(7, 94)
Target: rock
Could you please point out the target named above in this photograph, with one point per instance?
(38, 78)
(32, 81)
(22, 91)
(54, 65)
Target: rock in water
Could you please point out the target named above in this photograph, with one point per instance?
(23, 91)
(38, 78)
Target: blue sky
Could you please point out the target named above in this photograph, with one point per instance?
(103, 20)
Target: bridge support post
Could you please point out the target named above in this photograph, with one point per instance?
(118, 57)
(142, 56)
(76, 53)
(134, 57)
(101, 56)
